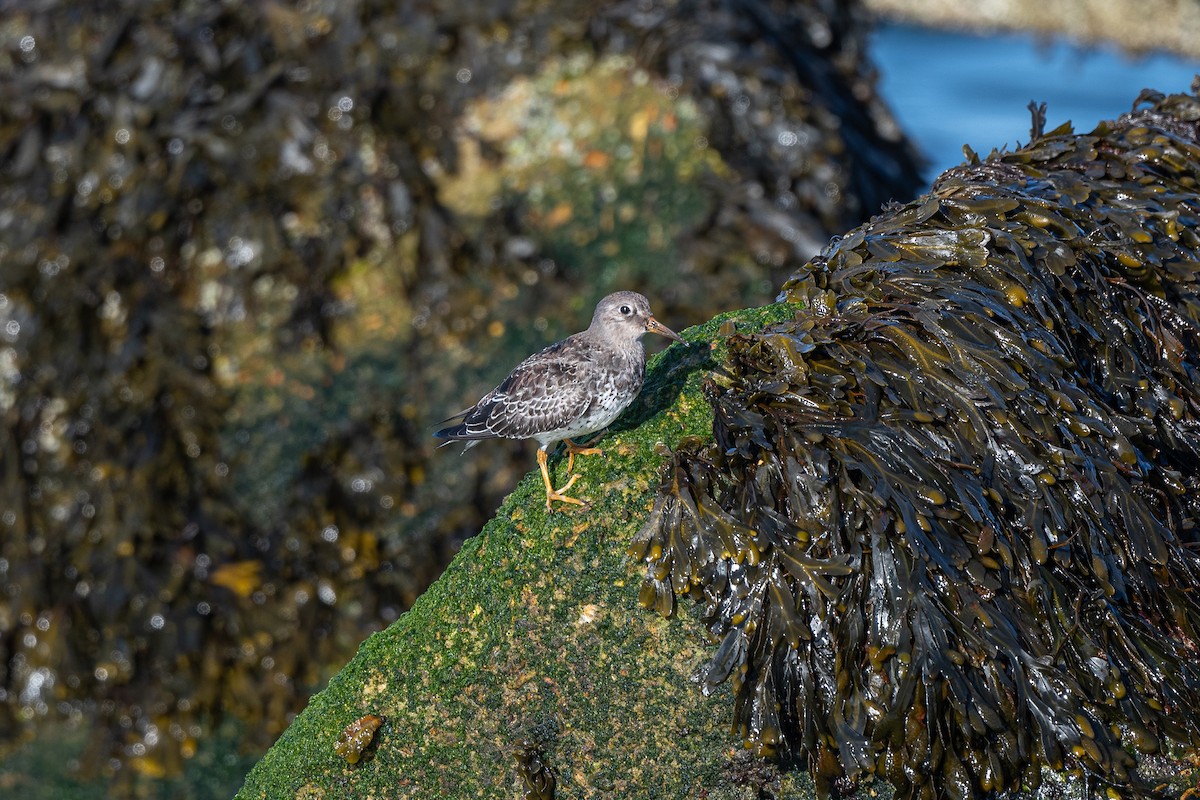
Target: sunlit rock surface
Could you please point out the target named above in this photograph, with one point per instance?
(1135, 26)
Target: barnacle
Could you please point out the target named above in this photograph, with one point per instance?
(948, 528)
(356, 737)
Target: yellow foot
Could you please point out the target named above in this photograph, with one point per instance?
(553, 494)
(576, 450)
(558, 495)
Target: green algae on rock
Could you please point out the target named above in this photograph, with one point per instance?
(947, 533)
(533, 634)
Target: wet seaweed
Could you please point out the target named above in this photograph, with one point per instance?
(537, 779)
(947, 530)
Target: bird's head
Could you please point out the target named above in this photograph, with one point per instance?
(626, 316)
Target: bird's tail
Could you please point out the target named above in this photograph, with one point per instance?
(455, 433)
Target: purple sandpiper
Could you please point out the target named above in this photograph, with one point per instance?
(573, 388)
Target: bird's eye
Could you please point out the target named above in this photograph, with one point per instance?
(626, 310)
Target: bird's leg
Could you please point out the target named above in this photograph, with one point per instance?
(551, 493)
(577, 450)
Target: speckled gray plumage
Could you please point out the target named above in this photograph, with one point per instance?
(572, 388)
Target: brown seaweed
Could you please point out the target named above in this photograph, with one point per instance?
(947, 530)
(537, 779)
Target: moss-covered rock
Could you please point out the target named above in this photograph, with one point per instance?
(533, 643)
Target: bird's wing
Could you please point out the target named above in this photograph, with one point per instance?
(543, 394)
(546, 392)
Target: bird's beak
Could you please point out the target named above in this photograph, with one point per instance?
(654, 326)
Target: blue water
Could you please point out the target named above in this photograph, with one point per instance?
(948, 89)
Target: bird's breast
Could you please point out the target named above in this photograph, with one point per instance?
(619, 381)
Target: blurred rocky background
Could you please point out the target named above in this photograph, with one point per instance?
(251, 253)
